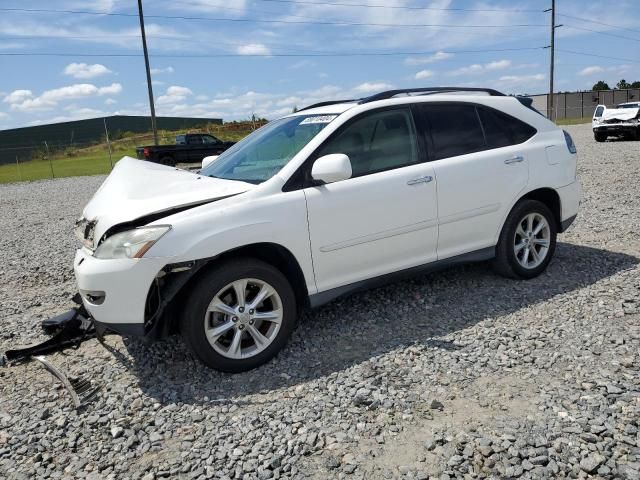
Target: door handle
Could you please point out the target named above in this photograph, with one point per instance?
(424, 179)
(516, 159)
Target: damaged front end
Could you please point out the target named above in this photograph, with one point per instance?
(166, 295)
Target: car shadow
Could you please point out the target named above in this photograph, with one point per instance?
(353, 329)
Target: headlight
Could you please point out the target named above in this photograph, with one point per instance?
(132, 243)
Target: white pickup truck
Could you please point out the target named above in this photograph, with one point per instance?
(622, 121)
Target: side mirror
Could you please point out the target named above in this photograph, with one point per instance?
(206, 161)
(331, 168)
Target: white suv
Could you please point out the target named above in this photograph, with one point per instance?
(336, 197)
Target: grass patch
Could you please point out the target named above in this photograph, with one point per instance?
(94, 160)
(573, 121)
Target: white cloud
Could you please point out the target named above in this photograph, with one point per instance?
(18, 96)
(112, 89)
(23, 100)
(471, 69)
(253, 49)
(422, 74)
(11, 45)
(158, 71)
(110, 101)
(522, 78)
(498, 65)
(302, 64)
(177, 90)
(174, 94)
(4, 115)
(372, 87)
(436, 57)
(591, 70)
(477, 68)
(231, 7)
(83, 70)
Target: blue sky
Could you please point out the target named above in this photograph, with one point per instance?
(253, 77)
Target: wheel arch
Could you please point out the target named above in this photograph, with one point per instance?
(546, 195)
(274, 254)
(550, 198)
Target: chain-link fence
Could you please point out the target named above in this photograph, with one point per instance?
(65, 150)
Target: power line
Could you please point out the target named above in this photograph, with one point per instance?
(399, 7)
(597, 22)
(573, 52)
(264, 55)
(600, 32)
(269, 21)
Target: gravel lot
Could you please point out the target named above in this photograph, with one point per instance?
(460, 374)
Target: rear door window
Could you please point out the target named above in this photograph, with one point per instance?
(455, 129)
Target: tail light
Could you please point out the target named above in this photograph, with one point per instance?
(570, 145)
(146, 152)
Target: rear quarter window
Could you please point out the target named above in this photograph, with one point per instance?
(502, 130)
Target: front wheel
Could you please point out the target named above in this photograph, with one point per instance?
(599, 136)
(239, 316)
(527, 241)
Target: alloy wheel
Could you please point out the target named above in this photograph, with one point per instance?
(243, 318)
(532, 240)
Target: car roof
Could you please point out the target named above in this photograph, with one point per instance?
(327, 108)
(416, 94)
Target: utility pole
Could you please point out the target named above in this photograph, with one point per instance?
(106, 132)
(146, 64)
(550, 100)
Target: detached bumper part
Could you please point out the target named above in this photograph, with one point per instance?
(70, 330)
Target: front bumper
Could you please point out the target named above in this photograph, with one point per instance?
(613, 128)
(115, 292)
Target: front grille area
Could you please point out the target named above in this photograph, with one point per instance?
(85, 230)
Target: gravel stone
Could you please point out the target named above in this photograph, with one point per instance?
(540, 378)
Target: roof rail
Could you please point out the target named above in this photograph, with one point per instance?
(324, 104)
(428, 90)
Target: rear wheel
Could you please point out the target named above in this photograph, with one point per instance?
(167, 161)
(599, 136)
(239, 316)
(527, 241)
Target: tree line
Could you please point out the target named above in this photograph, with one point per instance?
(621, 85)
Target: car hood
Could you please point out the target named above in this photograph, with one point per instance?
(623, 114)
(137, 188)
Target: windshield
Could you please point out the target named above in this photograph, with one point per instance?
(262, 154)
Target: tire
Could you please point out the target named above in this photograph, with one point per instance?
(599, 136)
(239, 325)
(514, 241)
(168, 161)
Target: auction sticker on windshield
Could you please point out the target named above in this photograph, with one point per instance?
(318, 119)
